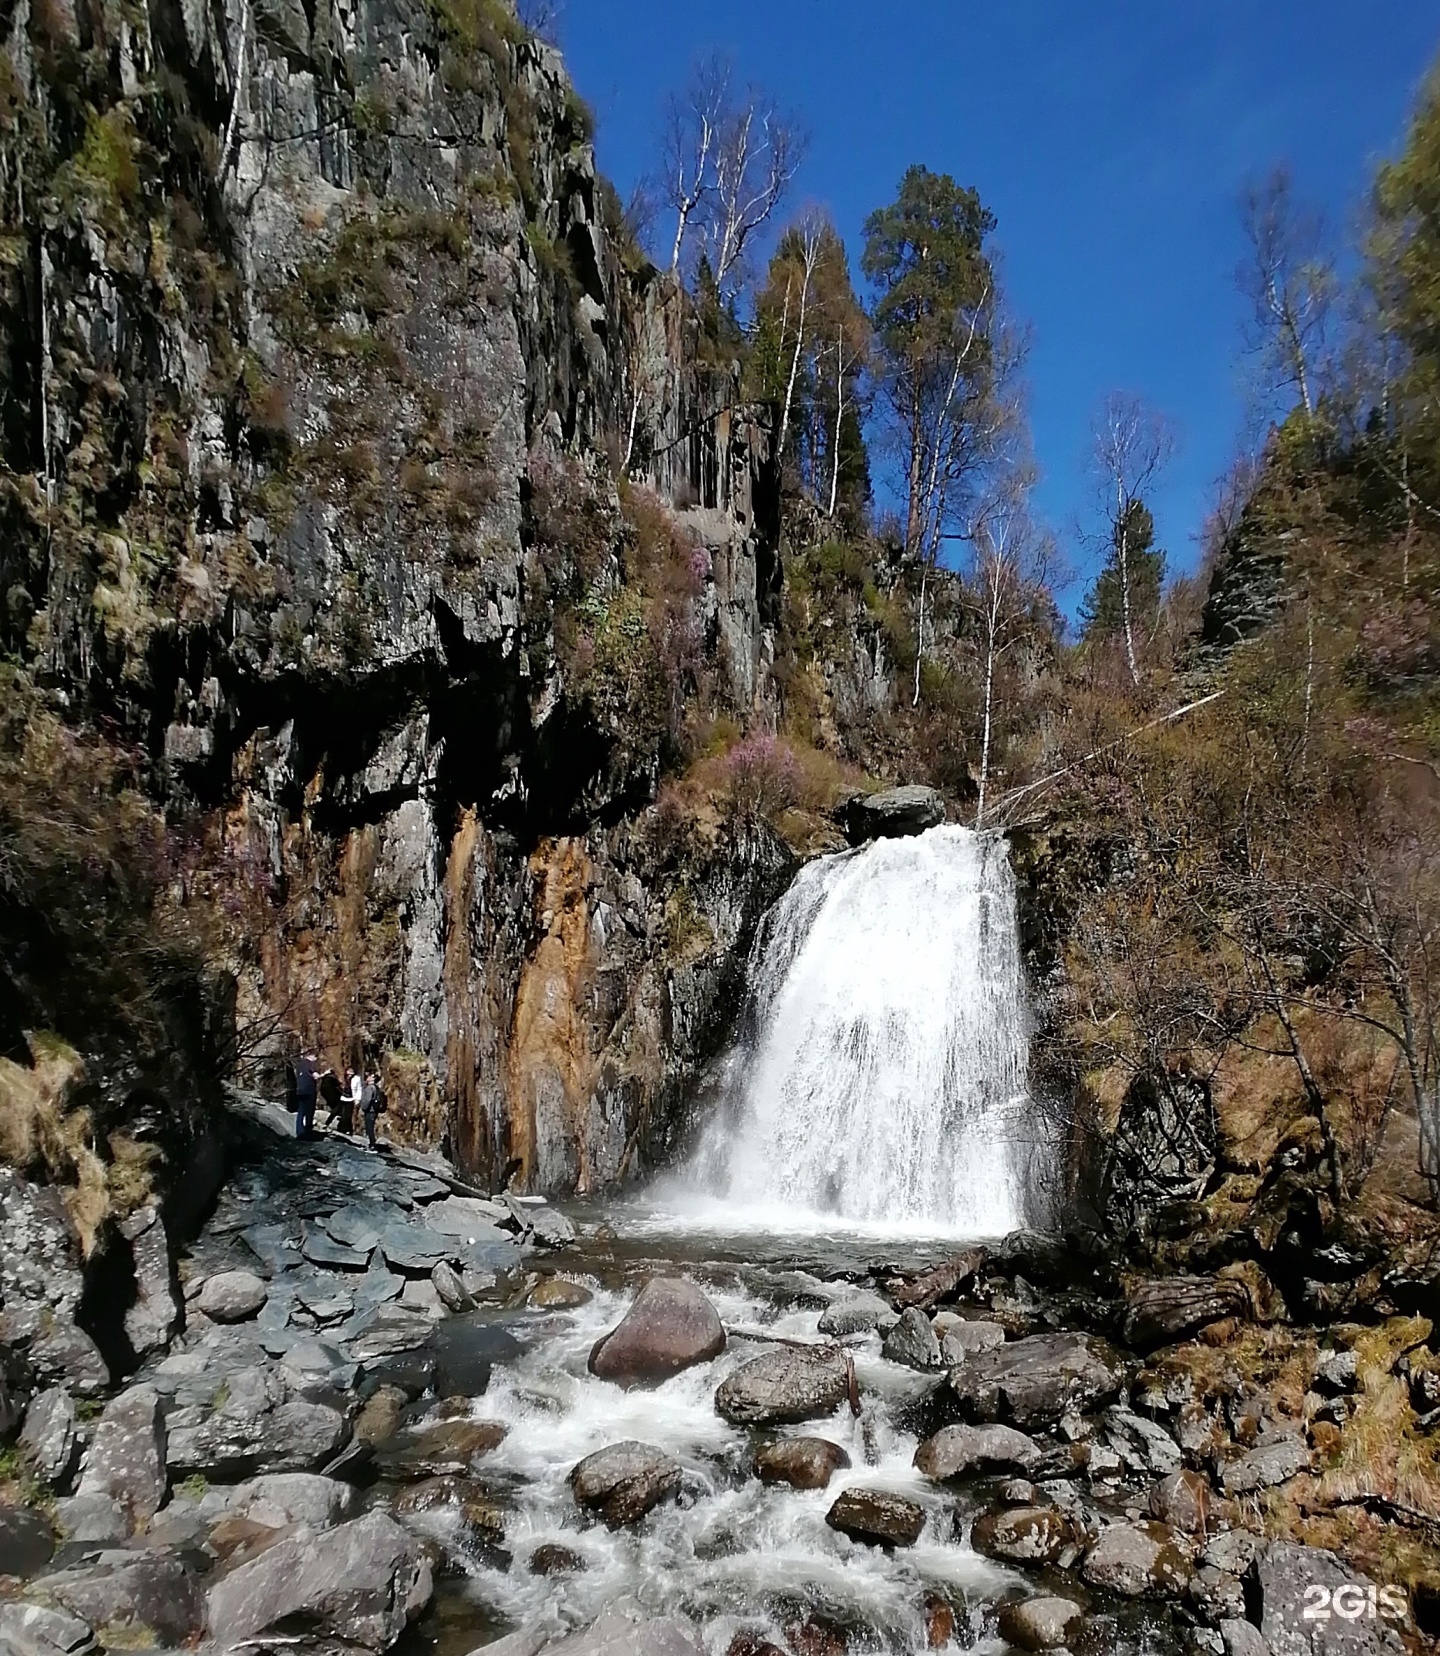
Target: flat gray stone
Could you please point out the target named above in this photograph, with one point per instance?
(414, 1248)
(858, 1314)
(321, 1249)
(126, 1462)
(48, 1437)
(34, 1630)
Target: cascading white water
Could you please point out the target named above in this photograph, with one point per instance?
(883, 1080)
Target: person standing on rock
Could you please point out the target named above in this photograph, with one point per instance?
(306, 1086)
(351, 1100)
(372, 1106)
(328, 1089)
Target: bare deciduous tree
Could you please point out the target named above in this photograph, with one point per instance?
(1131, 445)
(728, 160)
(1289, 278)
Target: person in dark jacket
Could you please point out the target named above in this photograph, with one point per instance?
(328, 1088)
(372, 1106)
(306, 1090)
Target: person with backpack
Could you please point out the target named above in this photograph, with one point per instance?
(372, 1106)
(306, 1093)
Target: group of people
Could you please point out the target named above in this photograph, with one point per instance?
(345, 1094)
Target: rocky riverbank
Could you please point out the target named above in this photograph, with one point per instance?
(385, 1410)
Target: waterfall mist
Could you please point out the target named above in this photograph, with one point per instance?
(881, 1075)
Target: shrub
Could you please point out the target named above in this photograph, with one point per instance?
(759, 776)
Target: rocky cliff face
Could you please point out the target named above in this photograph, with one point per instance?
(317, 325)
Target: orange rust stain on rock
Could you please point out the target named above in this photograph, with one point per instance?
(551, 1067)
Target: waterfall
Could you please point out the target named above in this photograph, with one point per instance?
(881, 1078)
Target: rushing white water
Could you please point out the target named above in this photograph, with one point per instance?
(883, 1077)
(731, 1552)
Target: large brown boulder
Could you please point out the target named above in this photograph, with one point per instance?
(877, 1517)
(671, 1326)
(802, 1462)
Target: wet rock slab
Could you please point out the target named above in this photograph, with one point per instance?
(877, 1517)
(958, 1451)
(784, 1386)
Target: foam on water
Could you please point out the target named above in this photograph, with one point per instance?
(731, 1549)
(881, 1079)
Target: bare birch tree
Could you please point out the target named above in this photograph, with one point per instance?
(1130, 446)
(728, 160)
(1289, 278)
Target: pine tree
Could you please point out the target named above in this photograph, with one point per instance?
(1103, 612)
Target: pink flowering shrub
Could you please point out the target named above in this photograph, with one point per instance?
(759, 775)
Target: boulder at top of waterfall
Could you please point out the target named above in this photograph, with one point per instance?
(624, 1480)
(360, 1583)
(877, 1517)
(1144, 1560)
(892, 813)
(1039, 1623)
(912, 1341)
(1036, 1380)
(802, 1462)
(955, 1451)
(1164, 1309)
(784, 1386)
(670, 1326)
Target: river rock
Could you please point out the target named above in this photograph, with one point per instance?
(462, 1497)
(232, 1296)
(26, 1542)
(912, 1341)
(449, 1447)
(126, 1462)
(857, 1314)
(156, 1313)
(1034, 1381)
(1143, 1560)
(623, 1481)
(559, 1294)
(281, 1498)
(1243, 1638)
(1143, 1445)
(784, 1386)
(136, 1597)
(379, 1417)
(670, 1326)
(386, 1331)
(892, 813)
(1182, 1500)
(1162, 1310)
(551, 1559)
(451, 1291)
(877, 1517)
(957, 1451)
(360, 1583)
(540, 1223)
(1039, 1623)
(1027, 1535)
(801, 1462)
(619, 1630)
(320, 1248)
(35, 1630)
(359, 1225)
(254, 1430)
(940, 1281)
(962, 1339)
(1265, 1466)
(48, 1437)
(1280, 1590)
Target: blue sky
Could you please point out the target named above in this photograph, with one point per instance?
(1111, 140)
